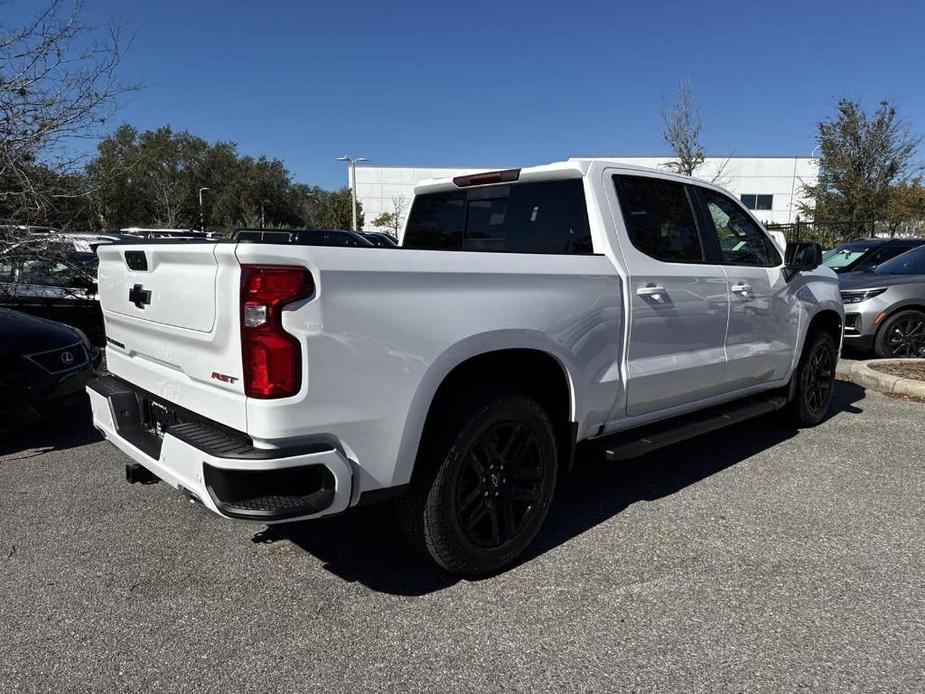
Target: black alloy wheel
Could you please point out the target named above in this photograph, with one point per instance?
(818, 379)
(487, 476)
(906, 337)
(814, 380)
(498, 484)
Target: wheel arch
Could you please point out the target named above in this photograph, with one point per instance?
(530, 365)
(830, 321)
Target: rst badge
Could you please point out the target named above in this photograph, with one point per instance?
(224, 378)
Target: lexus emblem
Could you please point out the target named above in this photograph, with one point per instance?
(139, 296)
(67, 358)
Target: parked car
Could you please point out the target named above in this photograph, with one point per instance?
(885, 308)
(42, 364)
(379, 239)
(53, 282)
(529, 311)
(866, 254)
(305, 237)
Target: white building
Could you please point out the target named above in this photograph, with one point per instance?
(770, 186)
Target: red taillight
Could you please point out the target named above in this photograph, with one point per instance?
(481, 179)
(272, 357)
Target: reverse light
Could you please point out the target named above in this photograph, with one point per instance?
(856, 296)
(481, 179)
(272, 357)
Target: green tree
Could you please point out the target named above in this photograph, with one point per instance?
(153, 178)
(906, 205)
(863, 156)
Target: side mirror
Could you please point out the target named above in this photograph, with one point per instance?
(804, 255)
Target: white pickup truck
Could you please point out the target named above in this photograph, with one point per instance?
(528, 311)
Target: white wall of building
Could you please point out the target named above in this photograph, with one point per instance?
(379, 187)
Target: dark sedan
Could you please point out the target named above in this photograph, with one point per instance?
(866, 254)
(42, 365)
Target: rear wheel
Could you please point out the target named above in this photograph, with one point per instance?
(902, 335)
(488, 481)
(815, 380)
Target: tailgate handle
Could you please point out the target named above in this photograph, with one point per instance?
(136, 260)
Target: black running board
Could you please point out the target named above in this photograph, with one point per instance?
(636, 442)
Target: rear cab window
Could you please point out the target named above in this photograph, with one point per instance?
(548, 217)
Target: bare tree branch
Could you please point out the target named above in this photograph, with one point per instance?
(57, 82)
(682, 125)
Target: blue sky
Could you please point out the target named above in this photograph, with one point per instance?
(507, 83)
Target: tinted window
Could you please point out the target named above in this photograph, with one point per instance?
(741, 241)
(886, 252)
(436, 221)
(546, 217)
(658, 218)
(910, 263)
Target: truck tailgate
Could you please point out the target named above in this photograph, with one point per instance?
(172, 323)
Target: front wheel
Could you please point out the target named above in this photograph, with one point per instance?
(488, 481)
(815, 380)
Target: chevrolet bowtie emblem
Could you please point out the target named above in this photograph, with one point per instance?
(139, 296)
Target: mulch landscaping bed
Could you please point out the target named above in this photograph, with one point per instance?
(909, 369)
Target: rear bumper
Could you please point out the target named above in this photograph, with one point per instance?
(221, 469)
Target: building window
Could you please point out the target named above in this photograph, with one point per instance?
(753, 201)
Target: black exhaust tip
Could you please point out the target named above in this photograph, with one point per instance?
(139, 474)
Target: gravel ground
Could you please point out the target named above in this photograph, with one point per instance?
(753, 559)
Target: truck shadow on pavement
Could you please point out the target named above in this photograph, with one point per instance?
(366, 544)
(71, 427)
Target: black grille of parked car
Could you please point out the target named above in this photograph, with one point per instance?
(61, 359)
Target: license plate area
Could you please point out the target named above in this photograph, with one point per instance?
(157, 417)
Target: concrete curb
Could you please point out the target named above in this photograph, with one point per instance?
(860, 372)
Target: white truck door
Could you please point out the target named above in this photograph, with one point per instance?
(678, 302)
(764, 310)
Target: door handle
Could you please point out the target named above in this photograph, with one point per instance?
(652, 291)
(741, 288)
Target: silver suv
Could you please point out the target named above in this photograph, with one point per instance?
(885, 307)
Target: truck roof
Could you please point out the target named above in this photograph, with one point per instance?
(574, 167)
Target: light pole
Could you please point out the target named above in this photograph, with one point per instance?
(202, 219)
(263, 223)
(353, 183)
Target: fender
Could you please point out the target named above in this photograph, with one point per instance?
(458, 353)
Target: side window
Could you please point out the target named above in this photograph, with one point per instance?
(741, 241)
(659, 218)
(7, 273)
(887, 253)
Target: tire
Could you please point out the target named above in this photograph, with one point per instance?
(487, 481)
(901, 335)
(815, 380)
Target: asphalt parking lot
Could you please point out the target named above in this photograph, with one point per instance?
(753, 559)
